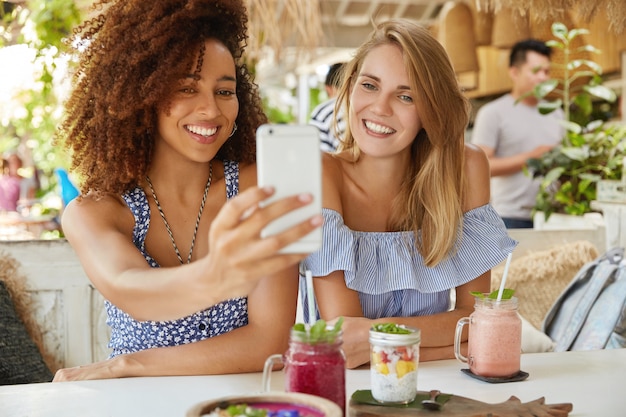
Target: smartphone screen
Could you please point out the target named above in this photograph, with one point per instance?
(290, 160)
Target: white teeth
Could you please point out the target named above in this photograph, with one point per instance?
(201, 130)
(376, 128)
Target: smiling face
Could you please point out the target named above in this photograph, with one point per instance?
(203, 108)
(383, 114)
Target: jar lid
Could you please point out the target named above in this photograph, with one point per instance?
(395, 339)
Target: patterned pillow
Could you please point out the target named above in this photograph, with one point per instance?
(20, 360)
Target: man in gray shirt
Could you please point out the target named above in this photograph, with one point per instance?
(512, 132)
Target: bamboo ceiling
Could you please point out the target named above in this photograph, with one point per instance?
(553, 9)
(310, 24)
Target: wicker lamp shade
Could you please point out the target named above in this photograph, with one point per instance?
(455, 31)
(509, 27)
(483, 23)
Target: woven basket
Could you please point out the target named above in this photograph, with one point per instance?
(509, 27)
(455, 31)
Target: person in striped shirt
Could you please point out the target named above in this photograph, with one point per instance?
(330, 124)
(407, 219)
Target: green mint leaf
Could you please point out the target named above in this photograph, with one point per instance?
(390, 328)
(507, 294)
(318, 332)
(337, 327)
(244, 410)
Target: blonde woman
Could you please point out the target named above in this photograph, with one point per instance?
(406, 206)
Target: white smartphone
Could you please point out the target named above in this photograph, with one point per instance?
(290, 160)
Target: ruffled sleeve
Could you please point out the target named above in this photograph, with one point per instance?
(380, 262)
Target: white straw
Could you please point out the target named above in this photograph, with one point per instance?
(310, 297)
(506, 272)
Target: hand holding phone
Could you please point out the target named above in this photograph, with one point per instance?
(289, 159)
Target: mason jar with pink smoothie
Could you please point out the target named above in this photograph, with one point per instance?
(314, 365)
(494, 339)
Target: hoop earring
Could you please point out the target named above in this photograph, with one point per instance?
(234, 130)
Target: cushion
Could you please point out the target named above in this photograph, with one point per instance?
(534, 340)
(20, 360)
(538, 278)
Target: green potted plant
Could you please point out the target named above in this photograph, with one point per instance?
(592, 149)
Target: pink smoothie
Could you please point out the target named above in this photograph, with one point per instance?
(495, 340)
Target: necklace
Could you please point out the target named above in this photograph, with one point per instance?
(167, 225)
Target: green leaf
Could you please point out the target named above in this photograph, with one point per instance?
(588, 48)
(594, 66)
(577, 63)
(559, 30)
(588, 177)
(546, 107)
(365, 397)
(507, 293)
(583, 101)
(543, 89)
(571, 126)
(236, 410)
(602, 92)
(555, 44)
(582, 73)
(391, 328)
(319, 331)
(576, 32)
(591, 126)
(338, 324)
(576, 153)
(553, 175)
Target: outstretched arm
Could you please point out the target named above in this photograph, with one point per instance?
(271, 312)
(238, 258)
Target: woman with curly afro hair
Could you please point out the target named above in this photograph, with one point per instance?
(161, 125)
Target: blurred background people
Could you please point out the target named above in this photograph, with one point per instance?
(323, 114)
(10, 182)
(511, 132)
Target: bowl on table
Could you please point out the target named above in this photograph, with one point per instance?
(306, 405)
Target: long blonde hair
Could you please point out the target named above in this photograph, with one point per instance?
(430, 202)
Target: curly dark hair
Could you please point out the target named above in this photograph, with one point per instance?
(133, 52)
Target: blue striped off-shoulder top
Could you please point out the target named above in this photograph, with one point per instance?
(389, 273)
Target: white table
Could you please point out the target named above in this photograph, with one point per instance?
(592, 381)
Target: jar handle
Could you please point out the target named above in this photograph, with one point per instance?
(457, 338)
(267, 371)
